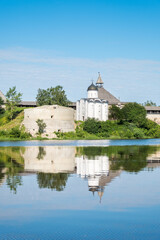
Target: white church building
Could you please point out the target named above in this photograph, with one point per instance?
(92, 106)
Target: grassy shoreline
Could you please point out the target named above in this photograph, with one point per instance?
(4, 139)
(91, 129)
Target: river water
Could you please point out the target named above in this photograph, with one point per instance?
(80, 190)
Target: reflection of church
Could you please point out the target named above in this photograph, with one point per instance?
(60, 159)
(95, 170)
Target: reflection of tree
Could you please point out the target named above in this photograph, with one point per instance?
(13, 182)
(129, 158)
(41, 153)
(52, 180)
(12, 166)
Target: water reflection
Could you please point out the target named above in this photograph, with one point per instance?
(97, 170)
(11, 165)
(49, 159)
(54, 164)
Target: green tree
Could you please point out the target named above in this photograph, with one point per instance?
(12, 100)
(1, 103)
(41, 126)
(52, 96)
(43, 97)
(115, 113)
(135, 113)
(149, 103)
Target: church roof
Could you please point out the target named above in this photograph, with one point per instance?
(92, 87)
(152, 108)
(99, 80)
(104, 94)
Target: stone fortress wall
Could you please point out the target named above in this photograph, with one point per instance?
(57, 118)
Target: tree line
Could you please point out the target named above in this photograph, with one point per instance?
(50, 96)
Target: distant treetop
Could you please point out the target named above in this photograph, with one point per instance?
(149, 103)
(52, 96)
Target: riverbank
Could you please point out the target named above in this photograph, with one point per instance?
(67, 138)
(91, 129)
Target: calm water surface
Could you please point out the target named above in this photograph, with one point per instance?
(80, 190)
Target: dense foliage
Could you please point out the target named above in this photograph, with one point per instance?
(129, 158)
(131, 112)
(149, 103)
(52, 181)
(94, 129)
(1, 104)
(52, 96)
(14, 133)
(12, 100)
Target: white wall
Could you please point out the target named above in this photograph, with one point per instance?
(92, 94)
(56, 118)
(86, 108)
(154, 117)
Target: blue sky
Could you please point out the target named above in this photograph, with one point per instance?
(46, 43)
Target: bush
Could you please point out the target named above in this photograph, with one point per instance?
(154, 132)
(15, 132)
(149, 124)
(108, 126)
(126, 133)
(25, 135)
(41, 126)
(138, 133)
(92, 126)
(3, 133)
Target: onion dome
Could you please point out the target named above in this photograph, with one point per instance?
(92, 87)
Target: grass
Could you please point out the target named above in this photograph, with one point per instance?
(13, 123)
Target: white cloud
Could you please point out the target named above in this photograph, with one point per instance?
(129, 79)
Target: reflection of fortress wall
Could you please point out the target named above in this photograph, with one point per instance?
(154, 156)
(49, 159)
(153, 160)
(2, 180)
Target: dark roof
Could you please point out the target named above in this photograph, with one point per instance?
(104, 94)
(152, 108)
(72, 104)
(28, 103)
(92, 87)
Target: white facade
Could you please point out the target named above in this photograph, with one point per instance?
(93, 94)
(92, 107)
